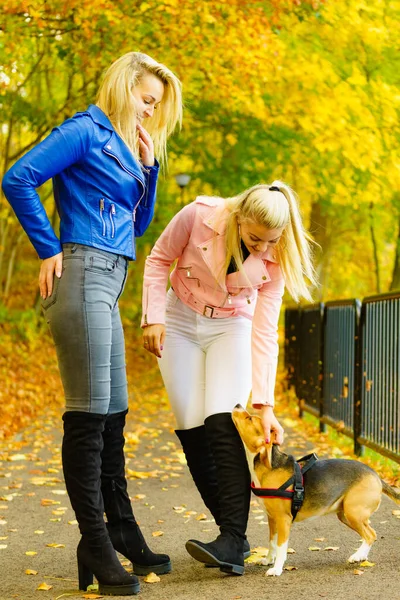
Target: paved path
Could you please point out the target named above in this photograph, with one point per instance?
(35, 512)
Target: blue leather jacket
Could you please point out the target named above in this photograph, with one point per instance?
(104, 196)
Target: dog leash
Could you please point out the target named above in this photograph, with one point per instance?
(297, 494)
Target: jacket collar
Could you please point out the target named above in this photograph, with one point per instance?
(99, 117)
(115, 146)
(216, 220)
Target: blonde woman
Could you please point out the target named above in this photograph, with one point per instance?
(215, 336)
(104, 178)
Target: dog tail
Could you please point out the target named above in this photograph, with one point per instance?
(391, 492)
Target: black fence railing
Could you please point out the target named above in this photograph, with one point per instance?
(343, 359)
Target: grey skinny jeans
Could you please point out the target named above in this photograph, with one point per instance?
(85, 323)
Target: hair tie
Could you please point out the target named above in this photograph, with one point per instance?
(274, 188)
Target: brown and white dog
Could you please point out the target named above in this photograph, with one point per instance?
(348, 488)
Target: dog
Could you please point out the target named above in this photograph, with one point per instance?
(348, 488)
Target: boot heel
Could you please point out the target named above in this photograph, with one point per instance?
(234, 569)
(85, 576)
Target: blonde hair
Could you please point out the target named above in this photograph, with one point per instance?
(274, 209)
(115, 100)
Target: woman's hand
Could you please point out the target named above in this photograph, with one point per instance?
(153, 338)
(49, 267)
(146, 146)
(270, 424)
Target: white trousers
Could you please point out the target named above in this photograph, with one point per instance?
(205, 364)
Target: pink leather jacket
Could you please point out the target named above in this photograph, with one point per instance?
(196, 237)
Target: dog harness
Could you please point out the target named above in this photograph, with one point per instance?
(297, 494)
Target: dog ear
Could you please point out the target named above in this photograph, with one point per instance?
(266, 454)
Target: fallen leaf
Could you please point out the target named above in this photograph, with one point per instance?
(53, 545)
(291, 551)
(358, 572)
(289, 568)
(2, 522)
(59, 492)
(178, 509)
(92, 596)
(152, 578)
(3, 546)
(73, 522)
(256, 559)
(30, 572)
(94, 587)
(44, 587)
(314, 548)
(30, 553)
(201, 517)
(140, 496)
(142, 474)
(322, 539)
(333, 548)
(157, 533)
(260, 550)
(15, 457)
(366, 563)
(49, 502)
(396, 512)
(7, 498)
(39, 531)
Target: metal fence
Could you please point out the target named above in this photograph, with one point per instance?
(343, 359)
(341, 322)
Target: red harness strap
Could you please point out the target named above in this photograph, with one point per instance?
(297, 494)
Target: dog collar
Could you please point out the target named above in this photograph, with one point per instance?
(297, 494)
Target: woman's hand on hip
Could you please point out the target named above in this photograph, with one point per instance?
(146, 147)
(50, 267)
(153, 338)
(272, 427)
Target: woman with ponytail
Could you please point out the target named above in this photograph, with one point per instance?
(215, 336)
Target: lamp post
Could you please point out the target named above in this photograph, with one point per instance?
(182, 180)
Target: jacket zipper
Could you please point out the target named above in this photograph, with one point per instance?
(102, 216)
(132, 175)
(147, 193)
(112, 213)
(228, 298)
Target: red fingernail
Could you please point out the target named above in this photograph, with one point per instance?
(162, 347)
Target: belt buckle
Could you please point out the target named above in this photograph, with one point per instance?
(211, 309)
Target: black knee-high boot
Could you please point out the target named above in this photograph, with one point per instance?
(201, 464)
(226, 551)
(81, 449)
(123, 530)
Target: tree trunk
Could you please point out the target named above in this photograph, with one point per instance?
(321, 234)
(395, 284)
(375, 249)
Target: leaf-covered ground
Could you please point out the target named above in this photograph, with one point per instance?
(39, 533)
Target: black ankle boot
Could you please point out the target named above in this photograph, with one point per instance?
(226, 551)
(81, 448)
(201, 464)
(123, 530)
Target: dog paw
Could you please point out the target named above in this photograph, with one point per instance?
(274, 572)
(357, 557)
(266, 562)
